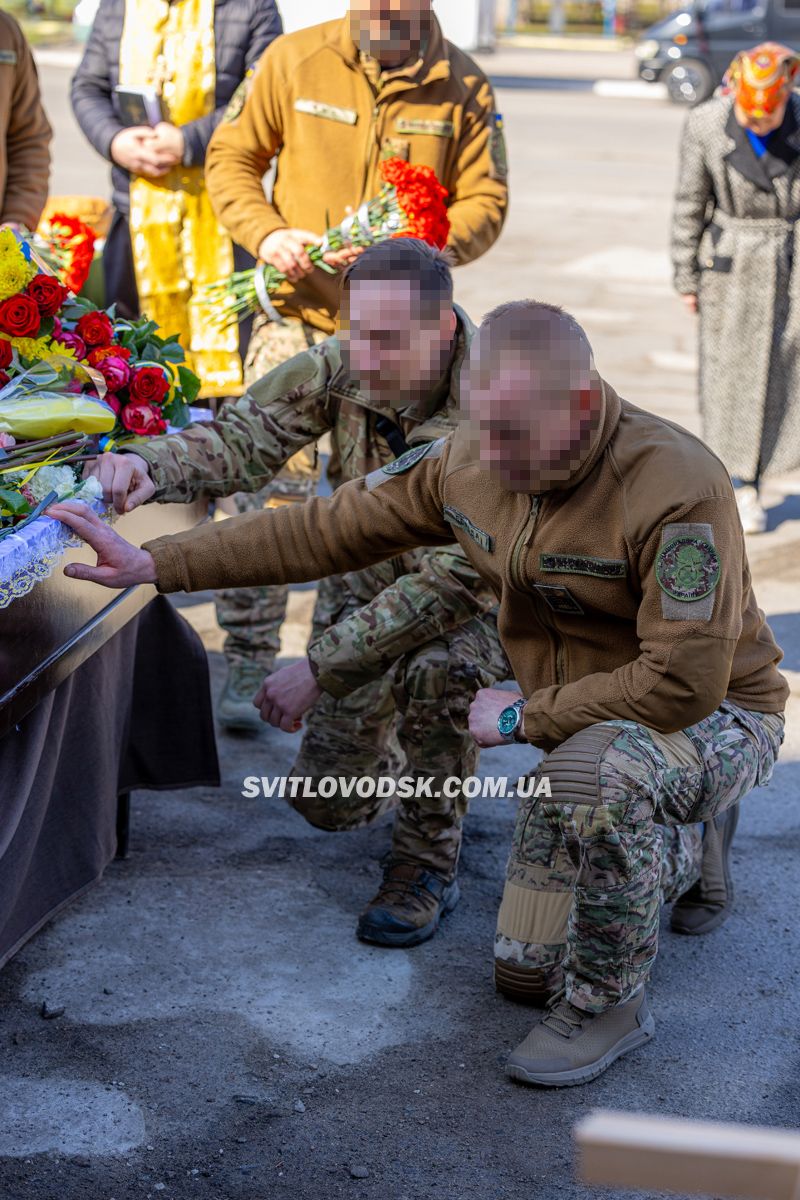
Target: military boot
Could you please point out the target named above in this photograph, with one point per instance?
(408, 907)
(235, 710)
(709, 901)
(570, 1046)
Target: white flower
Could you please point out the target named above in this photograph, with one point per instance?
(52, 479)
(90, 489)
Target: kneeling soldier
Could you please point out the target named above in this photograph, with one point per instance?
(649, 673)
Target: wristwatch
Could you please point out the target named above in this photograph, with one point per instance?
(509, 723)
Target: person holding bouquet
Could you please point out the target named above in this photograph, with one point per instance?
(334, 102)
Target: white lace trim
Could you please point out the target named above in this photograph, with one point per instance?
(32, 554)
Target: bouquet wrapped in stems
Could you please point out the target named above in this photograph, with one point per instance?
(411, 203)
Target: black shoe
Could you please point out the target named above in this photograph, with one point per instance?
(407, 908)
(708, 903)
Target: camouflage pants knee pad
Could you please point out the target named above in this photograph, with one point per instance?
(584, 774)
(338, 809)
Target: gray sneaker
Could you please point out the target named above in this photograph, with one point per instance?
(235, 709)
(709, 901)
(570, 1046)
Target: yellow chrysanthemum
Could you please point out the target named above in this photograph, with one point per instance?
(15, 270)
(31, 348)
(59, 350)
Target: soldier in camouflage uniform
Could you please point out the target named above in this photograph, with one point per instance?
(398, 649)
(332, 102)
(649, 675)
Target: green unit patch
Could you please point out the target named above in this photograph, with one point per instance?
(461, 521)
(316, 108)
(406, 461)
(687, 568)
(584, 564)
(417, 125)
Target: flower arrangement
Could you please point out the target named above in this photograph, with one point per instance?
(411, 203)
(69, 373)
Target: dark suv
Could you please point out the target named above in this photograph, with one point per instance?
(691, 49)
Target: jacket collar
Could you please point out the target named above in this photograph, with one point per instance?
(433, 64)
(782, 151)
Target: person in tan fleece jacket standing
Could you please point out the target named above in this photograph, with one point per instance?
(25, 132)
(648, 674)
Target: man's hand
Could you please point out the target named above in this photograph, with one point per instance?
(119, 564)
(483, 714)
(690, 300)
(125, 479)
(138, 150)
(285, 250)
(286, 694)
(169, 141)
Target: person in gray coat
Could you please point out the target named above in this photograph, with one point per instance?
(734, 227)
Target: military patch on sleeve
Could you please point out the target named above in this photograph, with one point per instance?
(404, 463)
(687, 569)
(237, 100)
(462, 521)
(497, 148)
(8, 56)
(331, 112)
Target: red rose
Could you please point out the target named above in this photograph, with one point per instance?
(73, 342)
(141, 418)
(4, 379)
(95, 328)
(149, 386)
(5, 353)
(19, 317)
(47, 293)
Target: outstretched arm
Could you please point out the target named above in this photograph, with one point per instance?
(365, 522)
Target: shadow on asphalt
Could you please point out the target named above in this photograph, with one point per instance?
(787, 510)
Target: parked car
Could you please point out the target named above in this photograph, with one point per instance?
(690, 50)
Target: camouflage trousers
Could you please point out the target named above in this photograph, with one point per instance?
(252, 617)
(412, 722)
(592, 862)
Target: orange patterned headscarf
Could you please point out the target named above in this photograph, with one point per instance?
(761, 78)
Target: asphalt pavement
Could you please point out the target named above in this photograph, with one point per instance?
(224, 1033)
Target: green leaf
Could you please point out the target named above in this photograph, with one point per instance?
(14, 502)
(172, 352)
(190, 384)
(178, 414)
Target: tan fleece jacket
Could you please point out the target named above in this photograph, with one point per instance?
(25, 132)
(625, 594)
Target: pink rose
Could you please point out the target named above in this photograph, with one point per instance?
(74, 342)
(58, 329)
(113, 402)
(6, 441)
(75, 387)
(115, 371)
(142, 418)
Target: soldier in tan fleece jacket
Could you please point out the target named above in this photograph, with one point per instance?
(648, 674)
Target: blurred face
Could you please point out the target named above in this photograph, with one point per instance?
(533, 423)
(389, 30)
(766, 122)
(396, 357)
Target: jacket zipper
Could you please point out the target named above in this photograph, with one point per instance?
(522, 542)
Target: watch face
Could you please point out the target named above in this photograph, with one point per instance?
(508, 720)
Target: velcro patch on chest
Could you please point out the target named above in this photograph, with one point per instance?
(687, 569)
(461, 521)
(317, 108)
(584, 564)
(418, 125)
(559, 599)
